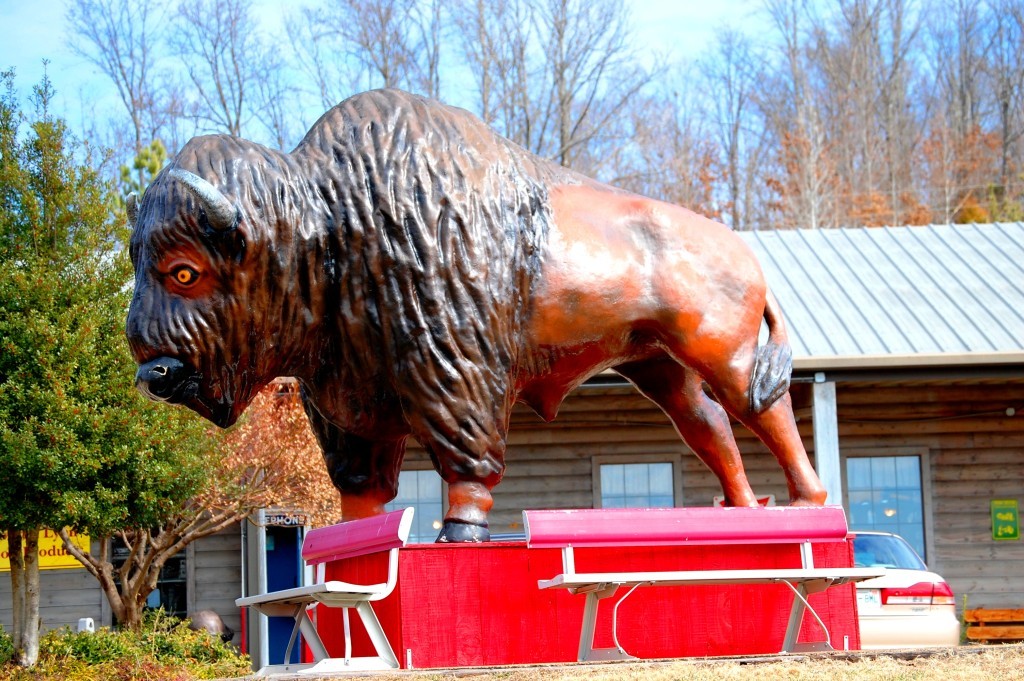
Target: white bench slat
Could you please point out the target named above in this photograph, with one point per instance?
(310, 593)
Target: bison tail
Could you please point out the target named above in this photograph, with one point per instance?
(773, 363)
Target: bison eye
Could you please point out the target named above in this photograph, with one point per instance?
(184, 275)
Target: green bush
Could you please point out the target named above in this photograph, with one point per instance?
(105, 645)
(164, 649)
(6, 646)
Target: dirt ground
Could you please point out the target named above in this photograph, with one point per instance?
(999, 663)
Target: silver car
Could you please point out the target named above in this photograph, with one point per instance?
(908, 607)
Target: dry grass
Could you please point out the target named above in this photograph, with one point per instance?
(1000, 663)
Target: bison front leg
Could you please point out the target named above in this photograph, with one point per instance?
(472, 464)
(364, 471)
(470, 481)
(469, 502)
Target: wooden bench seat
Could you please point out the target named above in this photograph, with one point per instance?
(586, 528)
(388, 532)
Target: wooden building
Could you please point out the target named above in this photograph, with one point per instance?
(908, 386)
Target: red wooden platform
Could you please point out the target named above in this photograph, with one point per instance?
(479, 605)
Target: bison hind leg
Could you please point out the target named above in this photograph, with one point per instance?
(700, 421)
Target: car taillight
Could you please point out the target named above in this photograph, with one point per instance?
(922, 593)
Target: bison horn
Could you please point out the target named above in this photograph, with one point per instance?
(131, 206)
(220, 212)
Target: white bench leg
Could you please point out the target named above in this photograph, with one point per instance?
(377, 636)
(310, 635)
(796, 618)
(324, 664)
(587, 651)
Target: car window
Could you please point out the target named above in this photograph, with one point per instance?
(872, 550)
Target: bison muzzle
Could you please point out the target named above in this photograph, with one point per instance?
(419, 275)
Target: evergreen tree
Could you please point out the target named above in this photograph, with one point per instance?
(79, 447)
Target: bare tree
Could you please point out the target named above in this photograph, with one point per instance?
(804, 173)
(1006, 75)
(556, 76)
(219, 43)
(668, 156)
(846, 113)
(494, 39)
(959, 56)
(960, 148)
(319, 56)
(381, 37)
(902, 124)
(276, 102)
(431, 22)
(732, 75)
(119, 38)
(347, 45)
(594, 75)
(861, 59)
(957, 168)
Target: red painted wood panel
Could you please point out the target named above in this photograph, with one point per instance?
(476, 605)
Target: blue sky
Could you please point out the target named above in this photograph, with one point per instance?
(31, 31)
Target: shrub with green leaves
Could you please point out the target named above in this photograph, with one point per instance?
(6, 646)
(164, 649)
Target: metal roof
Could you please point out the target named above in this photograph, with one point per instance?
(941, 295)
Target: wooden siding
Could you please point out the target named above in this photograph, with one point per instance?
(217, 576)
(549, 465)
(65, 596)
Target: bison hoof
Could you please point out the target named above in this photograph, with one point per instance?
(454, 531)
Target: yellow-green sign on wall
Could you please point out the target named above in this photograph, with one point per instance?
(1005, 519)
(52, 554)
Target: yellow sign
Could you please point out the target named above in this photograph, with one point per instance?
(52, 554)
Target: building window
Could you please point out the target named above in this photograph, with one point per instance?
(885, 494)
(423, 491)
(637, 485)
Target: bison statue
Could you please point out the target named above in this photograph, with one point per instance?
(419, 274)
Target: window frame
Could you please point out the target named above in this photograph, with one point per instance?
(924, 454)
(423, 466)
(675, 459)
(187, 555)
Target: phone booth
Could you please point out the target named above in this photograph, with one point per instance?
(272, 548)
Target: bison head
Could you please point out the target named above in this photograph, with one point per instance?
(198, 322)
